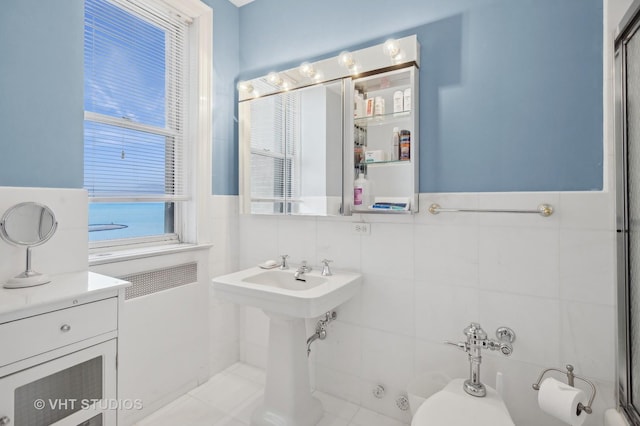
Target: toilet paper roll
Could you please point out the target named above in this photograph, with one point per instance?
(561, 401)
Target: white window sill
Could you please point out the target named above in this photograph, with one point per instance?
(103, 258)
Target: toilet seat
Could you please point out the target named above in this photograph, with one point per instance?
(452, 406)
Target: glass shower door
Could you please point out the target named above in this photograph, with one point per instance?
(627, 108)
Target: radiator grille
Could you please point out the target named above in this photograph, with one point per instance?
(149, 282)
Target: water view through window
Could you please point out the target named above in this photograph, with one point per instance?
(108, 221)
(130, 129)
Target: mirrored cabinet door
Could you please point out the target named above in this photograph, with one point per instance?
(383, 167)
(291, 152)
(263, 126)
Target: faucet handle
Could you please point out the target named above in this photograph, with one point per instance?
(326, 271)
(460, 345)
(283, 261)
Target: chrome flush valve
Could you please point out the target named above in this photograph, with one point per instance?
(476, 341)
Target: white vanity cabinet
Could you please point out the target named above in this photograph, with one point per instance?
(59, 352)
(389, 168)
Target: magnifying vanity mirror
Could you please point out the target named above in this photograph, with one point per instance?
(28, 225)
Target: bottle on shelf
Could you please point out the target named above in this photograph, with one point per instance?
(359, 144)
(405, 145)
(407, 99)
(361, 194)
(358, 104)
(395, 145)
(369, 107)
(398, 101)
(379, 105)
(358, 154)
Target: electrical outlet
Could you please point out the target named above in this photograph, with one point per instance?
(361, 228)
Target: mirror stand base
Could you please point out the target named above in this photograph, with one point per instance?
(27, 279)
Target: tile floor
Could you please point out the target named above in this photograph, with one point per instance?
(228, 399)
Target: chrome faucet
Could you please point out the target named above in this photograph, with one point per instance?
(302, 269)
(283, 261)
(321, 329)
(476, 341)
(326, 271)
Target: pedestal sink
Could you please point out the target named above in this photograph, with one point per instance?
(287, 302)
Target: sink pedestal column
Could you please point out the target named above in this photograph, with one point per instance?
(287, 394)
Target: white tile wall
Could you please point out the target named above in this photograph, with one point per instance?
(66, 251)
(446, 254)
(519, 260)
(590, 247)
(224, 317)
(223, 226)
(428, 276)
(163, 340)
(445, 305)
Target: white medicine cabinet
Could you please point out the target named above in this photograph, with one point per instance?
(381, 158)
(334, 137)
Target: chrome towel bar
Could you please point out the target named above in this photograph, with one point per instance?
(545, 210)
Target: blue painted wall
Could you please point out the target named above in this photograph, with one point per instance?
(226, 45)
(511, 93)
(511, 90)
(41, 93)
(41, 105)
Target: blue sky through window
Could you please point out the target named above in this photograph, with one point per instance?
(124, 65)
(124, 78)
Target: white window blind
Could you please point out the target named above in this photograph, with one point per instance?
(136, 62)
(275, 142)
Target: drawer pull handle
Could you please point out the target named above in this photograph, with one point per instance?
(64, 329)
(4, 420)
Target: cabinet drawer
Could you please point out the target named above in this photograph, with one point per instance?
(34, 335)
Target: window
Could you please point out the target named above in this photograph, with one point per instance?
(274, 139)
(135, 130)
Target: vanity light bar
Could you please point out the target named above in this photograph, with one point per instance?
(393, 52)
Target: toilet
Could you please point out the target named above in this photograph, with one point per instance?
(423, 386)
(452, 406)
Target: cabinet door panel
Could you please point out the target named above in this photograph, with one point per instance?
(383, 169)
(62, 390)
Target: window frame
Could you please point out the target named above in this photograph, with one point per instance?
(188, 214)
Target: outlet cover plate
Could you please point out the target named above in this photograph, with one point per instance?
(361, 228)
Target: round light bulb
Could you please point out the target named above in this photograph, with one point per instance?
(392, 48)
(318, 77)
(244, 86)
(307, 70)
(274, 78)
(346, 59)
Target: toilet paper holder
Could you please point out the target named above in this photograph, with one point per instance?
(571, 380)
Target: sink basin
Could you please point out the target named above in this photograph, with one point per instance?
(277, 291)
(285, 280)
